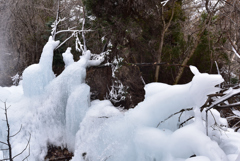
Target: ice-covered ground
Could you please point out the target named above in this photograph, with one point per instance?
(58, 111)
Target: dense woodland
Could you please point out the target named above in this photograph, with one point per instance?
(153, 41)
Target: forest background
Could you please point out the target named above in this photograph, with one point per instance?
(148, 41)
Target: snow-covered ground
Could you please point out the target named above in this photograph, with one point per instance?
(57, 110)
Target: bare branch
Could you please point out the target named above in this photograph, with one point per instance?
(181, 125)
(3, 143)
(182, 110)
(9, 136)
(215, 6)
(17, 132)
(4, 159)
(8, 133)
(28, 154)
(143, 64)
(172, 13)
(24, 148)
(57, 17)
(231, 93)
(162, 17)
(65, 41)
(206, 6)
(83, 34)
(3, 149)
(228, 106)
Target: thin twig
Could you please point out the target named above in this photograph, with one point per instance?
(227, 106)
(28, 154)
(3, 143)
(3, 149)
(57, 17)
(4, 159)
(143, 64)
(17, 132)
(64, 41)
(182, 110)
(24, 148)
(8, 133)
(224, 98)
(181, 125)
(206, 122)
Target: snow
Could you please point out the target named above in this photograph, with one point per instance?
(1, 155)
(236, 112)
(58, 111)
(191, 140)
(199, 158)
(37, 76)
(238, 158)
(181, 97)
(68, 57)
(77, 105)
(164, 2)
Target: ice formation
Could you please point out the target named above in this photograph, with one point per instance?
(68, 57)
(60, 113)
(171, 99)
(54, 116)
(37, 76)
(134, 136)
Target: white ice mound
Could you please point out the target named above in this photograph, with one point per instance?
(162, 145)
(192, 140)
(162, 100)
(37, 76)
(62, 105)
(68, 57)
(4, 94)
(71, 97)
(77, 106)
(134, 136)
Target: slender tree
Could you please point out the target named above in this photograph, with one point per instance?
(204, 24)
(165, 26)
(9, 136)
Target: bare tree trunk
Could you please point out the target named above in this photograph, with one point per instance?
(8, 134)
(180, 72)
(164, 30)
(205, 24)
(159, 56)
